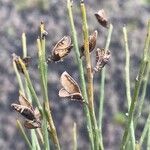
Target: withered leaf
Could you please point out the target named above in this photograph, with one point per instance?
(26, 61)
(61, 49)
(101, 18)
(102, 58)
(70, 87)
(92, 43)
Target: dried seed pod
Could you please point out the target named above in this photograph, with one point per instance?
(92, 43)
(70, 87)
(25, 108)
(32, 124)
(61, 49)
(26, 61)
(101, 18)
(102, 58)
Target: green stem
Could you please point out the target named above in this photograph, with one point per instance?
(89, 77)
(43, 75)
(140, 105)
(137, 88)
(18, 78)
(102, 86)
(74, 136)
(145, 130)
(81, 72)
(35, 142)
(24, 134)
(24, 45)
(30, 86)
(148, 138)
(127, 81)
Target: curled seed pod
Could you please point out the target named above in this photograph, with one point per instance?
(102, 58)
(61, 49)
(70, 88)
(101, 18)
(32, 124)
(24, 111)
(25, 108)
(26, 61)
(92, 43)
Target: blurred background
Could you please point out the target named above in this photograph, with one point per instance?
(18, 16)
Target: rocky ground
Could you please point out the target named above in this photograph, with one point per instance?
(25, 16)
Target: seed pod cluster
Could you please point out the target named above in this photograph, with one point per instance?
(32, 116)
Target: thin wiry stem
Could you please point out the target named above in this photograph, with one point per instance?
(35, 142)
(74, 136)
(144, 88)
(137, 87)
(81, 71)
(89, 77)
(24, 134)
(43, 75)
(148, 138)
(127, 81)
(102, 86)
(145, 130)
(18, 78)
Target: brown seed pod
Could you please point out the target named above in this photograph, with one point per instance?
(26, 110)
(101, 18)
(61, 49)
(102, 58)
(92, 43)
(26, 61)
(32, 124)
(70, 87)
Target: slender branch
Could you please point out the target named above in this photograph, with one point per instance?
(24, 134)
(43, 75)
(89, 77)
(35, 142)
(102, 86)
(74, 136)
(81, 71)
(145, 130)
(137, 87)
(148, 138)
(127, 81)
(144, 88)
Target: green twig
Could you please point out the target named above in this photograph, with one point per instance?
(148, 138)
(102, 85)
(30, 86)
(18, 78)
(35, 142)
(137, 88)
(74, 136)
(89, 77)
(145, 130)
(127, 81)
(81, 71)
(24, 134)
(144, 88)
(43, 75)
